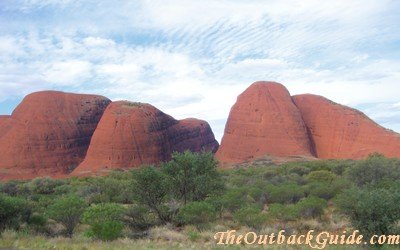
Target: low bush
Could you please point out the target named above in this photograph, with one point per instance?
(105, 220)
(251, 216)
(374, 169)
(139, 218)
(198, 213)
(283, 212)
(311, 207)
(285, 193)
(44, 185)
(107, 230)
(322, 176)
(372, 211)
(234, 199)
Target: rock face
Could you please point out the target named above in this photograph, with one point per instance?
(264, 121)
(48, 134)
(4, 119)
(131, 134)
(341, 132)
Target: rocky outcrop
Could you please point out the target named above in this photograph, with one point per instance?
(267, 124)
(131, 134)
(264, 121)
(48, 134)
(340, 132)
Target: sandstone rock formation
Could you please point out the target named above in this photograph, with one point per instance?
(48, 134)
(264, 121)
(340, 132)
(131, 134)
(267, 124)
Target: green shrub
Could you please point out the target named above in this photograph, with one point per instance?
(322, 176)
(311, 207)
(10, 188)
(234, 199)
(67, 211)
(139, 217)
(63, 189)
(283, 212)
(321, 190)
(13, 212)
(37, 223)
(374, 169)
(44, 185)
(198, 213)
(108, 189)
(328, 191)
(251, 216)
(218, 204)
(285, 193)
(105, 220)
(300, 170)
(372, 211)
(107, 230)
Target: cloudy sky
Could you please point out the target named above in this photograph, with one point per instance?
(192, 58)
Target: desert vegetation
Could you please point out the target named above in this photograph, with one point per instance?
(185, 201)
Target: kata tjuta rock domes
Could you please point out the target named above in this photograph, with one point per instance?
(48, 133)
(340, 132)
(131, 134)
(267, 121)
(264, 120)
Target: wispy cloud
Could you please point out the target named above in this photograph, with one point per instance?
(192, 58)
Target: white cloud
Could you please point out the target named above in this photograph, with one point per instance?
(72, 72)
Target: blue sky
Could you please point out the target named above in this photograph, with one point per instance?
(192, 58)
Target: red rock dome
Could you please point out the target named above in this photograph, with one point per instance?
(48, 134)
(131, 134)
(341, 132)
(264, 121)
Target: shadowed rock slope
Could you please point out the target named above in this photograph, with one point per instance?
(48, 134)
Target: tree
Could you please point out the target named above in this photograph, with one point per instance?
(105, 220)
(68, 211)
(151, 188)
(193, 176)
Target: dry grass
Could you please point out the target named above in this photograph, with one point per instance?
(159, 238)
